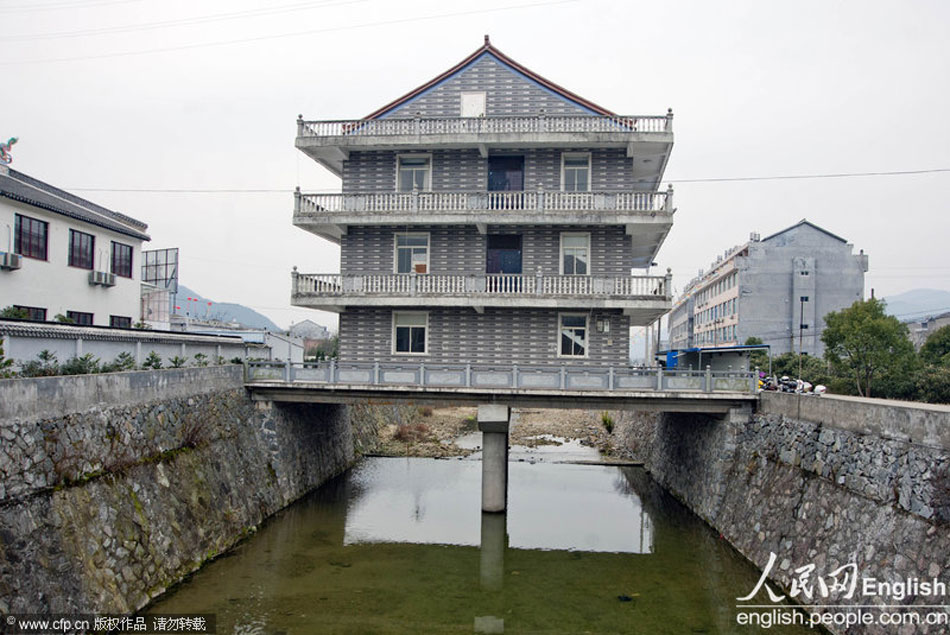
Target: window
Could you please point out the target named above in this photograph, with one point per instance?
(81, 249)
(409, 333)
(33, 313)
(575, 252)
(573, 335)
(412, 172)
(120, 321)
(575, 172)
(121, 260)
(804, 298)
(473, 104)
(79, 317)
(31, 237)
(412, 253)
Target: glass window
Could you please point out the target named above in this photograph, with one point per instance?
(413, 173)
(412, 253)
(33, 313)
(81, 249)
(576, 172)
(78, 317)
(410, 332)
(30, 237)
(120, 321)
(122, 260)
(575, 254)
(573, 336)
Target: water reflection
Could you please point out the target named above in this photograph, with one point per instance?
(553, 507)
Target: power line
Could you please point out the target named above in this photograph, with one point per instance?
(263, 38)
(788, 177)
(55, 6)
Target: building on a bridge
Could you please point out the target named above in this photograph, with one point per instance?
(778, 289)
(489, 217)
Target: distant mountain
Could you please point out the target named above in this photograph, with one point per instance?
(918, 303)
(224, 311)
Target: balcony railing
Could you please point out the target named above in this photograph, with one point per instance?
(497, 285)
(539, 200)
(511, 376)
(524, 124)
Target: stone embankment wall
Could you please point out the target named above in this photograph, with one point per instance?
(114, 487)
(824, 480)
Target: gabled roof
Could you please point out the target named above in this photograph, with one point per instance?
(25, 189)
(488, 49)
(805, 222)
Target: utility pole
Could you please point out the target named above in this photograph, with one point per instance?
(801, 337)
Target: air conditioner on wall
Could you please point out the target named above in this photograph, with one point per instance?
(104, 278)
(10, 261)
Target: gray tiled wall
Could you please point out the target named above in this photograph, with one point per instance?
(461, 249)
(465, 170)
(497, 336)
(509, 93)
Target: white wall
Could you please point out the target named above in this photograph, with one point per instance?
(57, 287)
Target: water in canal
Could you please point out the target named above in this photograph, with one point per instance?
(399, 545)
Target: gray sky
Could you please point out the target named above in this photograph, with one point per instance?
(206, 97)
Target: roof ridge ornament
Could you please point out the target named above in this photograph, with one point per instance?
(487, 40)
(5, 157)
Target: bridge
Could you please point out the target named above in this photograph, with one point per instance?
(495, 389)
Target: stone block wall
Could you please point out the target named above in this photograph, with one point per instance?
(110, 500)
(813, 492)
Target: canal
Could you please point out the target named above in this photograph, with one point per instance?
(399, 545)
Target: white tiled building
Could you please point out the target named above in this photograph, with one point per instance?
(61, 254)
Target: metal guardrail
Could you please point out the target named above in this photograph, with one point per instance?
(513, 377)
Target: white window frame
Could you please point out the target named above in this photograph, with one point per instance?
(425, 343)
(561, 253)
(484, 99)
(586, 317)
(590, 175)
(428, 237)
(415, 155)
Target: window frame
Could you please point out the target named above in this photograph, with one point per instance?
(18, 240)
(74, 261)
(74, 316)
(396, 235)
(425, 337)
(114, 318)
(577, 155)
(414, 155)
(32, 310)
(564, 235)
(560, 328)
(113, 259)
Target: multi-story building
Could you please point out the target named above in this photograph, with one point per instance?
(67, 256)
(489, 216)
(778, 289)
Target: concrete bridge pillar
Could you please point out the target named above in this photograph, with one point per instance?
(493, 422)
(492, 552)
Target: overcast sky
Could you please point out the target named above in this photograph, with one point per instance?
(139, 95)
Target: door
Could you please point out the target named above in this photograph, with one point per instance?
(504, 261)
(506, 174)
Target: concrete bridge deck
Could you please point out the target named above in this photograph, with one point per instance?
(596, 388)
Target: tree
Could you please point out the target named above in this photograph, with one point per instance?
(865, 343)
(936, 350)
(14, 313)
(758, 359)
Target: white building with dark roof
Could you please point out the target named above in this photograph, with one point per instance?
(62, 254)
(778, 288)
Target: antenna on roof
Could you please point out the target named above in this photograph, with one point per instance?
(487, 41)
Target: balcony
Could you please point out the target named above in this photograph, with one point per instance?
(329, 142)
(643, 298)
(647, 216)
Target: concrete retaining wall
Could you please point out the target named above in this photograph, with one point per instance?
(122, 484)
(851, 481)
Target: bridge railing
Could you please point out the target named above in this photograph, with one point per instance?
(513, 377)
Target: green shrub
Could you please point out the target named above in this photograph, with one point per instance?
(177, 362)
(85, 365)
(123, 361)
(608, 421)
(45, 365)
(153, 361)
(14, 313)
(201, 359)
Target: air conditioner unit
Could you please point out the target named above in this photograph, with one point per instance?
(104, 278)
(10, 261)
